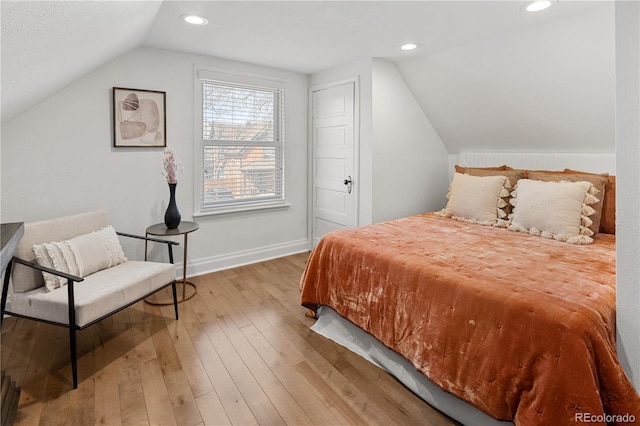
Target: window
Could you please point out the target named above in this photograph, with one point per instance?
(241, 142)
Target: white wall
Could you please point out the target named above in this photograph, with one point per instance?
(402, 161)
(628, 186)
(57, 159)
(410, 173)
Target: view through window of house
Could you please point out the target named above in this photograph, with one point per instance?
(242, 145)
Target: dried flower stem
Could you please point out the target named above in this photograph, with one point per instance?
(171, 165)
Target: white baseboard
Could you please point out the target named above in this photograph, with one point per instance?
(246, 257)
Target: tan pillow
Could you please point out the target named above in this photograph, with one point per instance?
(554, 209)
(512, 175)
(608, 220)
(598, 180)
(81, 256)
(468, 170)
(477, 199)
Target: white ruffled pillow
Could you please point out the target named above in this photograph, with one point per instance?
(81, 256)
(559, 210)
(477, 199)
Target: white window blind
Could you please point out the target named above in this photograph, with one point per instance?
(242, 145)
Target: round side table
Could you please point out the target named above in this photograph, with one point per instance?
(188, 288)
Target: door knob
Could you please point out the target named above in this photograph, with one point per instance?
(348, 182)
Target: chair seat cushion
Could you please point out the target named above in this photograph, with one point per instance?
(98, 295)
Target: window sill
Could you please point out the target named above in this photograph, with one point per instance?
(245, 209)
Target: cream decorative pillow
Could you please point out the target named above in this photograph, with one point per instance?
(477, 199)
(558, 210)
(599, 182)
(81, 256)
(96, 251)
(43, 258)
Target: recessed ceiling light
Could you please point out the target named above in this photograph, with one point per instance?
(195, 19)
(537, 6)
(408, 46)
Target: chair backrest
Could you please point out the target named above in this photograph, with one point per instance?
(24, 278)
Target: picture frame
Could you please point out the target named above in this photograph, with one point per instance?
(139, 118)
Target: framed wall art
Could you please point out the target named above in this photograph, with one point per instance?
(139, 118)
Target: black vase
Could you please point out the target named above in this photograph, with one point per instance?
(172, 215)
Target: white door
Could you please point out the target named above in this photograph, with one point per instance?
(334, 183)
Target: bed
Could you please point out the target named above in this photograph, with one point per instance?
(519, 326)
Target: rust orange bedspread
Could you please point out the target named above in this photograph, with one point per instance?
(519, 326)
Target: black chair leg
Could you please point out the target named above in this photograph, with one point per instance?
(175, 298)
(74, 356)
(72, 333)
(5, 289)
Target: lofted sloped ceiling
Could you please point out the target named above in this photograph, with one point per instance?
(488, 75)
(46, 45)
(545, 88)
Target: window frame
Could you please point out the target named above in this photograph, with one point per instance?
(204, 74)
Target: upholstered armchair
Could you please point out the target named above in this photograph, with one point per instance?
(72, 272)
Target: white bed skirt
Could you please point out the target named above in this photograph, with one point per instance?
(332, 326)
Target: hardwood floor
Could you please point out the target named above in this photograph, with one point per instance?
(242, 353)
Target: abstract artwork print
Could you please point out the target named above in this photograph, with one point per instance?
(139, 118)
